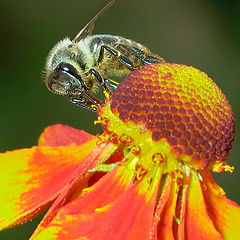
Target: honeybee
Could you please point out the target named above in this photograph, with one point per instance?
(76, 68)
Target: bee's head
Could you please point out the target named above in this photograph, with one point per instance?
(64, 78)
(62, 74)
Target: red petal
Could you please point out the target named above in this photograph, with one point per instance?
(61, 135)
(112, 209)
(224, 212)
(32, 178)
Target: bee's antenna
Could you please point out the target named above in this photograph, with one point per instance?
(90, 25)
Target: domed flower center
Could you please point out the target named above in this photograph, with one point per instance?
(171, 112)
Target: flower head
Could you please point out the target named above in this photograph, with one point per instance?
(146, 177)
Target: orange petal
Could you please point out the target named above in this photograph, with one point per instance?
(165, 195)
(224, 212)
(73, 189)
(198, 224)
(32, 178)
(61, 135)
(113, 208)
(179, 228)
(166, 223)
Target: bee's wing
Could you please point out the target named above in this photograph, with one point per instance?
(90, 25)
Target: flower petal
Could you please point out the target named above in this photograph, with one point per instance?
(73, 189)
(179, 228)
(198, 224)
(113, 208)
(226, 213)
(34, 177)
(166, 223)
(164, 197)
(61, 135)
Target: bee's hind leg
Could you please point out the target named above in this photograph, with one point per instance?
(121, 58)
(145, 57)
(136, 52)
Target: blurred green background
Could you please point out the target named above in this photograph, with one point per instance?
(201, 33)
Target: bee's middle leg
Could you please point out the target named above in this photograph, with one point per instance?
(108, 85)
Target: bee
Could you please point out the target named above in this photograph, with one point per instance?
(77, 68)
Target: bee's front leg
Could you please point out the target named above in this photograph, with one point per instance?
(85, 101)
(80, 103)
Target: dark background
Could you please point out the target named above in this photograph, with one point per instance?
(201, 33)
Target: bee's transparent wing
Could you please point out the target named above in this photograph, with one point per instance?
(90, 25)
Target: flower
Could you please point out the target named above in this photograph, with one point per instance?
(147, 177)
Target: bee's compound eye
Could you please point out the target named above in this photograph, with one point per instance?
(64, 78)
(68, 68)
(68, 78)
